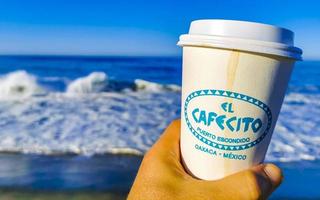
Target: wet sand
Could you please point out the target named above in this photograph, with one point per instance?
(110, 177)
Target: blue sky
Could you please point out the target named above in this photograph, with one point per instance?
(137, 27)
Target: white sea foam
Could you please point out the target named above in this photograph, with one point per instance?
(18, 85)
(297, 133)
(93, 121)
(129, 123)
(123, 150)
(143, 85)
(93, 83)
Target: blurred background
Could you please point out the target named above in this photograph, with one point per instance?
(86, 88)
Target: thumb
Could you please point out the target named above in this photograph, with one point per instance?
(255, 183)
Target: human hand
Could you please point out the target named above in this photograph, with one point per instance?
(162, 176)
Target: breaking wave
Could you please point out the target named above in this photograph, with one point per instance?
(142, 85)
(93, 83)
(20, 84)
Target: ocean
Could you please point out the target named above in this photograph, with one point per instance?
(63, 111)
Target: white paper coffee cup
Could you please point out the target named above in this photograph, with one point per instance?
(235, 75)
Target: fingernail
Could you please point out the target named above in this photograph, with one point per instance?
(274, 173)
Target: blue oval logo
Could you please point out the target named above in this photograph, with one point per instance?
(227, 120)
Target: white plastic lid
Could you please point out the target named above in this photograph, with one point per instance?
(242, 35)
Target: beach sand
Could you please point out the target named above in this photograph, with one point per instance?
(25, 176)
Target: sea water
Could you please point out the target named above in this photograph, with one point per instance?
(121, 105)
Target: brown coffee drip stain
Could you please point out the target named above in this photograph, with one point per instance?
(231, 74)
(232, 68)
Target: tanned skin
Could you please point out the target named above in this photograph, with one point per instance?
(162, 177)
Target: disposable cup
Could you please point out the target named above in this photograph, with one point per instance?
(235, 76)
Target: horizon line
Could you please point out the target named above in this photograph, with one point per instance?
(110, 55)
(88, 55)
